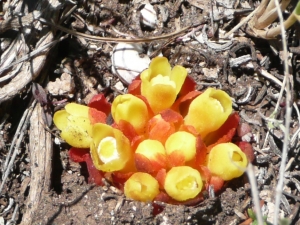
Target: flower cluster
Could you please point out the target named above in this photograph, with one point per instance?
(168, 142)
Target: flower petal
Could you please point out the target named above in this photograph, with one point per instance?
(78, 132)
(184, 142)
(227, 161)
(183, 183)
(141, 187)
(75, 109)
(158, 65)
(150, 156)
(209, 111)
(60, 119)
(178, 75)
(111, 149)
(131, 109)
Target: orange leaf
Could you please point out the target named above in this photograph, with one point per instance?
(160, 177)
(127, 129)
(96, 116)
(158, 129)
(217, 183)
(201, 151)
(135, 87)
(176, 158)
(143, 164)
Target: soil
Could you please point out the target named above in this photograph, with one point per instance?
(84, 69)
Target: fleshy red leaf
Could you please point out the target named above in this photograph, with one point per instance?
(217, 183)
(182, 104)
(247, 149)
(188, 86)
(171, 116)
(77, 154)
(95, 176)
(100, 103)
(225, 133)
(159, 129)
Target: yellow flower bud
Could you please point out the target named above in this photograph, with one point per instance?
(141, 187)
(111, 150)
(227, 161)
(131, 109)
(184, 142)
(160, 85)
(183, 183)
(150, 156)
(209, 111)
(75, 125)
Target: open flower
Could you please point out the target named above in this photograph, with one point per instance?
(150, 156)
(209, 111)
(131, 109)
(110, 149)
(227, 161)
(183, 183)
(75, 123)
(160, 85)
(141, 187)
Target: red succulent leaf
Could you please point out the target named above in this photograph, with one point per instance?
(157, 209)
(201, 151)
(162, 197)
(136, 141)
(160, 177)
(217, 183)
(119, 178)
(247, 149)
(96, 116)
(95, 176)
(135, 87)
(182, 103)
(176, 158)
(100, 103)
(225, 133)
(188, 86)
(77, 154)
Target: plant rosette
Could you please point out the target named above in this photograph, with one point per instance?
(168, 141)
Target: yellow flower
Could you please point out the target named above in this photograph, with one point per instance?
(209, 111)
(150, 156)
(160, 84)
(141, 187)
(131, 109)
(183, 183)
(75, 125)
(183, 142)
(110, 149)
(227, 161)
